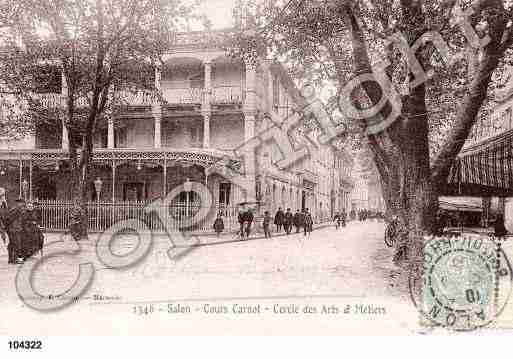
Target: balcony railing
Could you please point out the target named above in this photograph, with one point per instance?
(136, 98)
(220, 95)
(183, 95)
(49, 100)
(227, 94)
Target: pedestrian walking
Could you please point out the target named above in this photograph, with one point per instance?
(248, 221)
(278, 219)
(343, 217)
(4, 209)
(266, 224)
(499, 228)
(14, 225)
(298, 219)
(308, 223)
(219, 224)
(240, 219)
(337, 220)
(288, 220)
(33, 238)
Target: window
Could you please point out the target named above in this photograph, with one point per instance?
(120, 137)
(197, 81)
(506, 121)
(224, 193)
(195, 135)
(132, 191)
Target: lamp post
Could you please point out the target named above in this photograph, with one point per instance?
(24, 188)
(98, 183)
(187, 186)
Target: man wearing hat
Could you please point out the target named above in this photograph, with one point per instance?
(3, 214)
(14, 226)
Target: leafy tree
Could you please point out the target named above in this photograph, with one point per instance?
(105, 50)
(331, 42)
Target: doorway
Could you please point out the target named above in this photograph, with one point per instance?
(134, 191)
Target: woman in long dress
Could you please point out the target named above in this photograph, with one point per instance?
(3, 215)
(34, 238)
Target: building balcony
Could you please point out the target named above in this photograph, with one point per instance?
(220, 95)
(171, 96)
(49, 100)
(183, 96)
(202, 157)
(227, 95)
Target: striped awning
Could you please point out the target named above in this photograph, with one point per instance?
(485, 168)
(461, 204)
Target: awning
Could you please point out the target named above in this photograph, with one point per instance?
(485, 169)
(462, 204)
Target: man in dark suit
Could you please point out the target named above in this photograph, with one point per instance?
(4, 209)
(14, 226)
(248, 221)
(240, 219)
(287, 222)
(298, 220)
(278, 219)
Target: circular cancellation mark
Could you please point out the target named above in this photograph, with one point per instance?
(466, 282)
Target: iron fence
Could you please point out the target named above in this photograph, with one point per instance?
(55, 215)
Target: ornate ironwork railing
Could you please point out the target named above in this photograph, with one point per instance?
(183, 95)
(227, 94)
(55, 216)
(187, 95)
(201, 157)
(58, 100)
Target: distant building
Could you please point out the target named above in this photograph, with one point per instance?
(367, 193)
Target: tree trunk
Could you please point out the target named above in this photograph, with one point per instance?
(79, 217)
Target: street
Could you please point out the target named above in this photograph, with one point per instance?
(349, 266)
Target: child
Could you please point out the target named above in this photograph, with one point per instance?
(266, 224)
(219, 225)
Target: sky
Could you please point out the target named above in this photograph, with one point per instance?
(218, 11)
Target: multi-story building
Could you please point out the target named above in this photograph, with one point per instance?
(210, 105)
(343, 183)
(367, 193)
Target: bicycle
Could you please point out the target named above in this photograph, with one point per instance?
(391, 233)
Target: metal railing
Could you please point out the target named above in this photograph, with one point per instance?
(183, 95)
(55, 215)
(227, 94)
(189, 95)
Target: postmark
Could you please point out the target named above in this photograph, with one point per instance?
(465, 284)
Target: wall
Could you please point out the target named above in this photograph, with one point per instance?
(27, 143)
(227, 75)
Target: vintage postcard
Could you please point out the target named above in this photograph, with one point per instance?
(254, 167)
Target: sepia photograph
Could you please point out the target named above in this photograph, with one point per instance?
(255, 168)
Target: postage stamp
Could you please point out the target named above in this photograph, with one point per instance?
(462, 282)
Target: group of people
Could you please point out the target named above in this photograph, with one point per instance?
(282, 220)
(340, 219)
(20, 229)
(245, 219)
(301, 219)
(365, 214)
